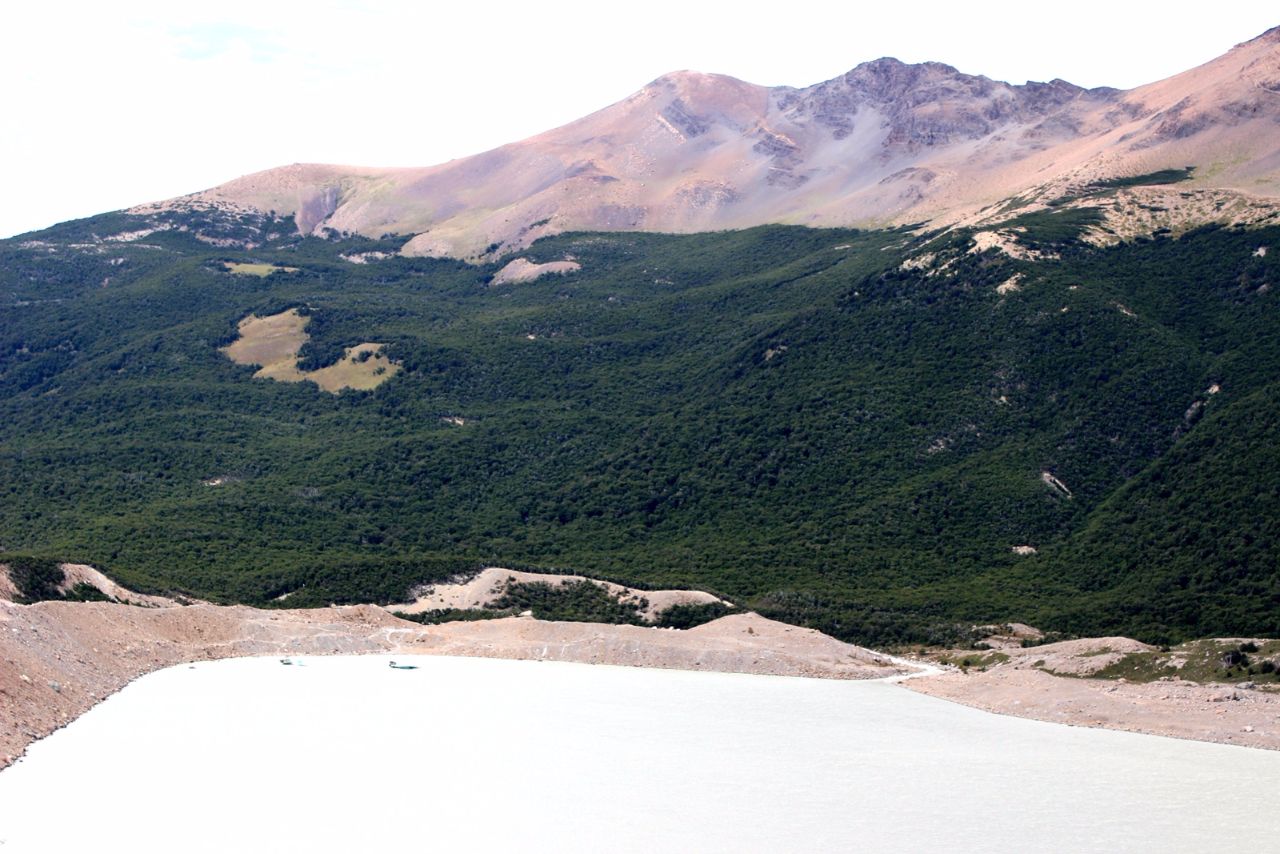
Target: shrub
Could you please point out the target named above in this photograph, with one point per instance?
(688, 615)
(1234, 658)
(36, 578)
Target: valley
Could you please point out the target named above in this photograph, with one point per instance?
(721, 377)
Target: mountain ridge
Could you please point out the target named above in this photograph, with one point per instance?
(886, 143)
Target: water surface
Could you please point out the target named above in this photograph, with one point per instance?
(347, 754)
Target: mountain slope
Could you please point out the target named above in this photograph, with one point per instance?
(864, 432)
(886, 143)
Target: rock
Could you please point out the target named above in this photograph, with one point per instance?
(524, 270)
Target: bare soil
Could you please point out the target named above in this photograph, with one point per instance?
(697, 152)
(482, 589)
(1213, 712)
(1057, 682)
(524, 270)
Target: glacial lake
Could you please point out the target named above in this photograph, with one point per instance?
(347, 754)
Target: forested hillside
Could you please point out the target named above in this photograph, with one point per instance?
(793, 418)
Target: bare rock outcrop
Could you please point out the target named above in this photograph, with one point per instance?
(524, 270)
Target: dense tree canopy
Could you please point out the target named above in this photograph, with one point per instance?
(791, 418)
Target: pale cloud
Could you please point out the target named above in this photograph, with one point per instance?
(211, 40)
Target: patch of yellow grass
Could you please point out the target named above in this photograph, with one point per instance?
(273, 343)
(363, 366)
(263, 270)
(269, 341)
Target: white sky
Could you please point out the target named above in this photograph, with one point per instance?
(112, 104)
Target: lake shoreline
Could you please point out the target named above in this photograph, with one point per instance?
(337, 753)
(60, 659)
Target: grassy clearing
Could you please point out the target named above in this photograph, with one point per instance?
(263, 270)
(363, 367)
(273, 342)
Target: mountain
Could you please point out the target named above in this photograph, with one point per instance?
(886, 143)
(1059, 407)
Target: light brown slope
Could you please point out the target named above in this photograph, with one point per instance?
(489, 584)
(1223, 118)
(1024, 683)
(76, 574)
(885, 143)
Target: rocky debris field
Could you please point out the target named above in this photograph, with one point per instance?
(1209, 690)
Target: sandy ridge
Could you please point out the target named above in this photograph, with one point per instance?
(483, 588)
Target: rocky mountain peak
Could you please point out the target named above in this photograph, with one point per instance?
(887, 141)
(887, 79)
(690, 103)
(1270, 37)
(929, 103)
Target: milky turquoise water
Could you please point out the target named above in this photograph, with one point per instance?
(346, 754)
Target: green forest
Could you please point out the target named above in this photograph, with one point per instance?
(790, 418)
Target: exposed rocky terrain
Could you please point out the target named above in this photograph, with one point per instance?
(524, 270)
(1052, 683)
(885, 143)
(482, 589)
